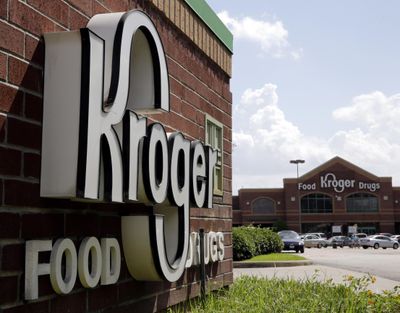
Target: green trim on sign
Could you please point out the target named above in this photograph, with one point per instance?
(208, 16)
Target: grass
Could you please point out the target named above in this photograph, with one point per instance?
(276, 257)
(260, 295)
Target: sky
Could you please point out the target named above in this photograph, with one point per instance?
(313, 80)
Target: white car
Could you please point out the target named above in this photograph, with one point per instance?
(396, 237)
(320, 235)
(314, 241)
(378, 241)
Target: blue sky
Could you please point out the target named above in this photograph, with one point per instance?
(313, 79)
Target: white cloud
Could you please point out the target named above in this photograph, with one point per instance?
(375, 133)
(271, 36)
(274, 141)
(374, 112)
(265, 140)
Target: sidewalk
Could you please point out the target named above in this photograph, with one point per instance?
(320, 272)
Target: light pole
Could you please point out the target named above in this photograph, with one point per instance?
(297, 162)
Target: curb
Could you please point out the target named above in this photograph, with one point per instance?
(244, 264)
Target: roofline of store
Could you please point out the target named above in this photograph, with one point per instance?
(211, 19)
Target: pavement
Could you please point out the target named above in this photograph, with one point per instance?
(379, 262)
(318, 272)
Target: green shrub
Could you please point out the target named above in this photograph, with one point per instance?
(268, 241)
(250, 241)
(244, 246)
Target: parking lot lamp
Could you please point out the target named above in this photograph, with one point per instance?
(297, 162)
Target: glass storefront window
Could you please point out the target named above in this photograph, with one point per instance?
(362, 202)
(263, 206)
(316, 203)
(325, 228)
(368, 228)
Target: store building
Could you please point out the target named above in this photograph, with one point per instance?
(115, 149)
(336, 197)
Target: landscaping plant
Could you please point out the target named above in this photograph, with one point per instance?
(260, 295)
(250, 241)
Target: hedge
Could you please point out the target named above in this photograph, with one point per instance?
(250, 241)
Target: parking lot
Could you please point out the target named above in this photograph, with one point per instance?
(338, 263)
(380, 262)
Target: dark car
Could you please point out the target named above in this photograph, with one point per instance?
(291, 240)
(341, 241)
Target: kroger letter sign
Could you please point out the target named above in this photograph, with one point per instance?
(96, 147)
(329, 181)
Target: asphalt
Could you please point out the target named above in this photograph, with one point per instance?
(298, 271)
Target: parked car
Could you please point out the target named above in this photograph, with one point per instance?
(291, 240)
(360, 235)
(314, 241)
(341, 241)
(385, 234)
(378, 241)
(356, 239)
(321, 235)
(396, 237)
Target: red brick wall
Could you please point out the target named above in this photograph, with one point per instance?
(198, 86)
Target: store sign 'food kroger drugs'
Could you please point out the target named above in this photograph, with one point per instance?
(329, 181)
(95, 147)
